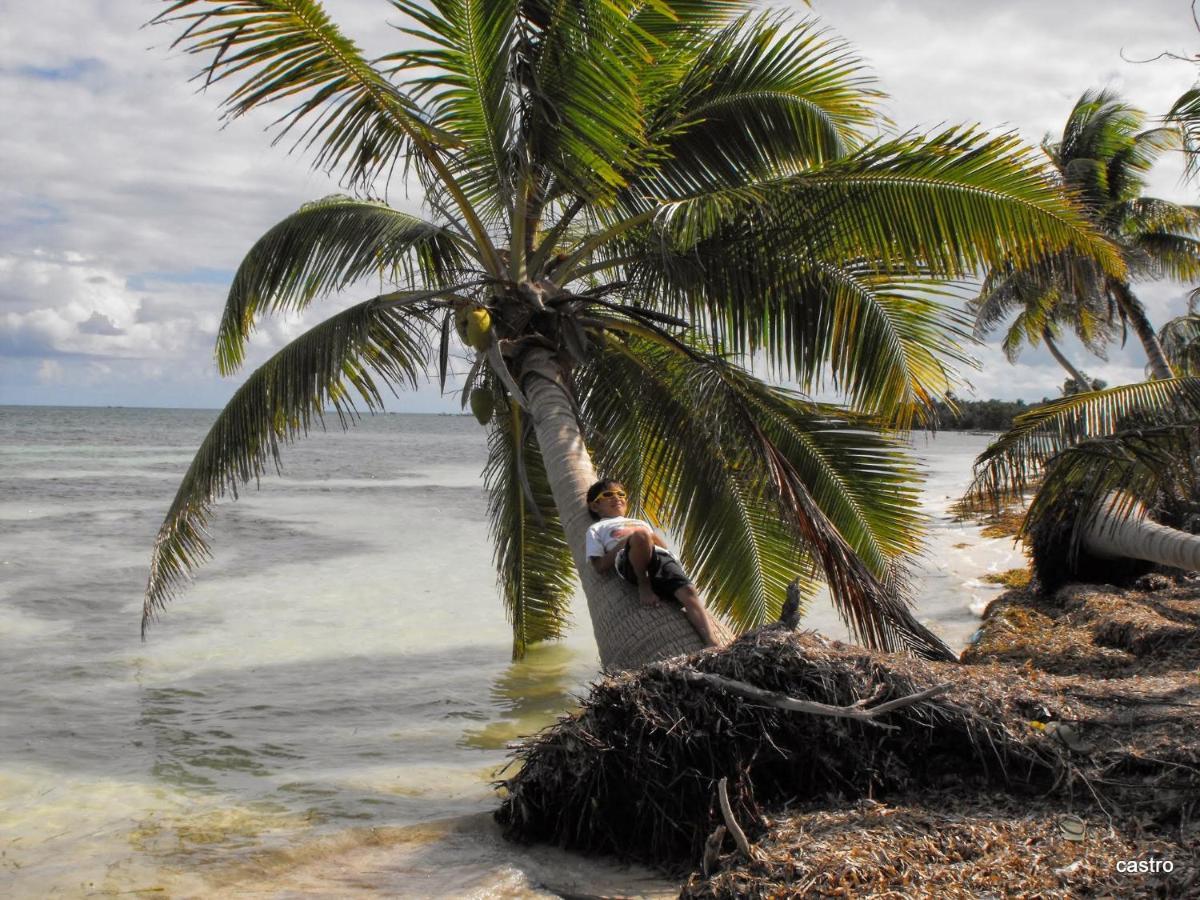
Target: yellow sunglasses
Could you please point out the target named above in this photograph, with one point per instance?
(608, 495)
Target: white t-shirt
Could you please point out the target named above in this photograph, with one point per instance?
(604, 535)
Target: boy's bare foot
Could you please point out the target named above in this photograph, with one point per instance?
(647, 596)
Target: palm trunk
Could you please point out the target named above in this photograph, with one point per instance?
(627, 633)
(1079, 377)
(1136, 537)
(1136, 316)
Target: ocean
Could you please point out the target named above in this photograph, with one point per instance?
(325, 710)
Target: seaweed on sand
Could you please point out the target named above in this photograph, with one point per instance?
(635, 772)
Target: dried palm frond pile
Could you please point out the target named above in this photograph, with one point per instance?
(947, 844)
(635, 772)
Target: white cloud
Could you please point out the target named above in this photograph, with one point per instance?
(126, 207)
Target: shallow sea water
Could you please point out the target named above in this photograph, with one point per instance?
(323, 712)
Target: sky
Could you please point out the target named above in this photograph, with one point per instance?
(125, 206)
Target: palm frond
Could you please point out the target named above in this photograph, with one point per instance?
(663, 23)
(764, 96)
(1018, 458)
(726, 458)
(943, 206)
(327, 366)
(1185, 115)
(326, 246)
(281, 50)
(579, 68)
(1130, 467)
(462, 73)
(533, 562)
(1160, 254)
(1180, 339)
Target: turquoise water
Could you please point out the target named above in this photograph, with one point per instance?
(338, 674)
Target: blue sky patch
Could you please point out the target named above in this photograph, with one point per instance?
(71, 70)
(141, 281)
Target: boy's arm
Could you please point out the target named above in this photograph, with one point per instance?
(604, 564)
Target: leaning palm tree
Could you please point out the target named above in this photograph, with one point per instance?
(1102, 158)
(621, 201)
(1097, 465)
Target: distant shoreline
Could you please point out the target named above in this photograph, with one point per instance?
(212, 409)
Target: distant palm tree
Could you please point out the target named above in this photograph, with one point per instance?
(1044, 307)
(1185, 115)
(1102, 158)
(1180, 339)
(622, 200)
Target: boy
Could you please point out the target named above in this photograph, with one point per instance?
(632, 549)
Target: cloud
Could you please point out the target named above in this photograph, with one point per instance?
(100, 324)
(126, 206)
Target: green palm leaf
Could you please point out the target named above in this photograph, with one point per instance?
(1014, 462)
(325, 367)
(1159, 254)
(757, 483)
(946, 206)
(324, 247)
(1131, 466)
(1185, 115)
(534, 564)
(284, 49)
(581, 69)
(1180, 338)
(762, 97)
(462, 74)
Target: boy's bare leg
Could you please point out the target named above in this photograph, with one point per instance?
(694, 609)
(641, 551)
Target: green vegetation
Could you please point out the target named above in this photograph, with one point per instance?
(1010, 578)
(977, 415)
(1109, 453)
(634, 194)
(1103, 157)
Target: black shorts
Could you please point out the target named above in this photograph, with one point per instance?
(666, 574)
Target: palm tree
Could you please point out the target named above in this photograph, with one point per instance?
(1097, 463)
(1102, 158)
(1044, 307)
(622, 201)
(1180, 339)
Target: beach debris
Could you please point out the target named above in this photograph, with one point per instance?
(785, 717)
(945, 843)
(1073, 828)
(735, 830)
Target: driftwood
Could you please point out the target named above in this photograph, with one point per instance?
(735, 830)
(712, 849)
(858, 711)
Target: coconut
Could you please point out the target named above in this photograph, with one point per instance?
(483, 404)
(479, 328)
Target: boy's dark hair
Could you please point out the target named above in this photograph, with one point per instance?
(596, 489)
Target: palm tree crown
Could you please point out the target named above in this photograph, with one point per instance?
(621, 200)
(1102, 158)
